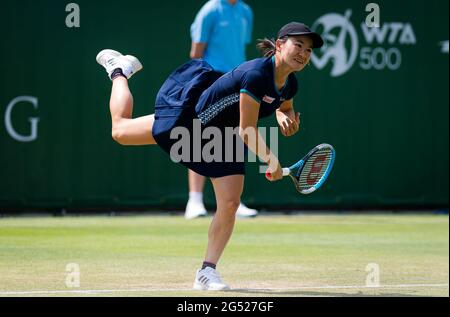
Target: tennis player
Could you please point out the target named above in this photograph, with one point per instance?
(193, 96)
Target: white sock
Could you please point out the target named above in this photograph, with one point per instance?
(196, 197)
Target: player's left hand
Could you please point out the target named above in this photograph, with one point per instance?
(290, 127)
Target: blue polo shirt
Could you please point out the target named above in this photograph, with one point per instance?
(225, 29)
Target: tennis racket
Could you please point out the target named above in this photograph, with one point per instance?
(311, 172)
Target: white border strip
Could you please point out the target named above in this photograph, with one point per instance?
(144, 290)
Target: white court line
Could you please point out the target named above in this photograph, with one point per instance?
(5, 293)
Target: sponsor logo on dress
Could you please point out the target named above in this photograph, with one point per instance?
(268, 99)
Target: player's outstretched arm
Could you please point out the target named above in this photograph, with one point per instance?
(248, 130)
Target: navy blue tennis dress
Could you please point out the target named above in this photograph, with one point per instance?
(195, 97)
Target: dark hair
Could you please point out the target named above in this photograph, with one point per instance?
(267, 47)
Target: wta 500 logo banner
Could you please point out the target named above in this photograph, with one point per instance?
(342, 47)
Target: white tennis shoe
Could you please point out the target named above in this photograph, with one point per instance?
(209, 279)
(194, 209)
(245, 212)
(112, 60)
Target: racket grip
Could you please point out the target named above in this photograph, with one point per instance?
(286, 172)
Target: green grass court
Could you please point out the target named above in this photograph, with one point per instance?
(271, 255)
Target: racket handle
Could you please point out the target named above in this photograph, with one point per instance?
(286, 172)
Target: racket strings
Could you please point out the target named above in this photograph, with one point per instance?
(315, 168)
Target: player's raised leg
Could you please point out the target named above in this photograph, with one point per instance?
(125, 130)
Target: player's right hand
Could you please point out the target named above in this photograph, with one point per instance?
(274, 174)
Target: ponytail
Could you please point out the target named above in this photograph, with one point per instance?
(267, 47)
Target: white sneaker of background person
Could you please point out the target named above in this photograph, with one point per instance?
(208, 279)
(112, 60)
(195, 207)
(243, 211)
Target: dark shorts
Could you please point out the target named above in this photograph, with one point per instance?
(175, 108)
